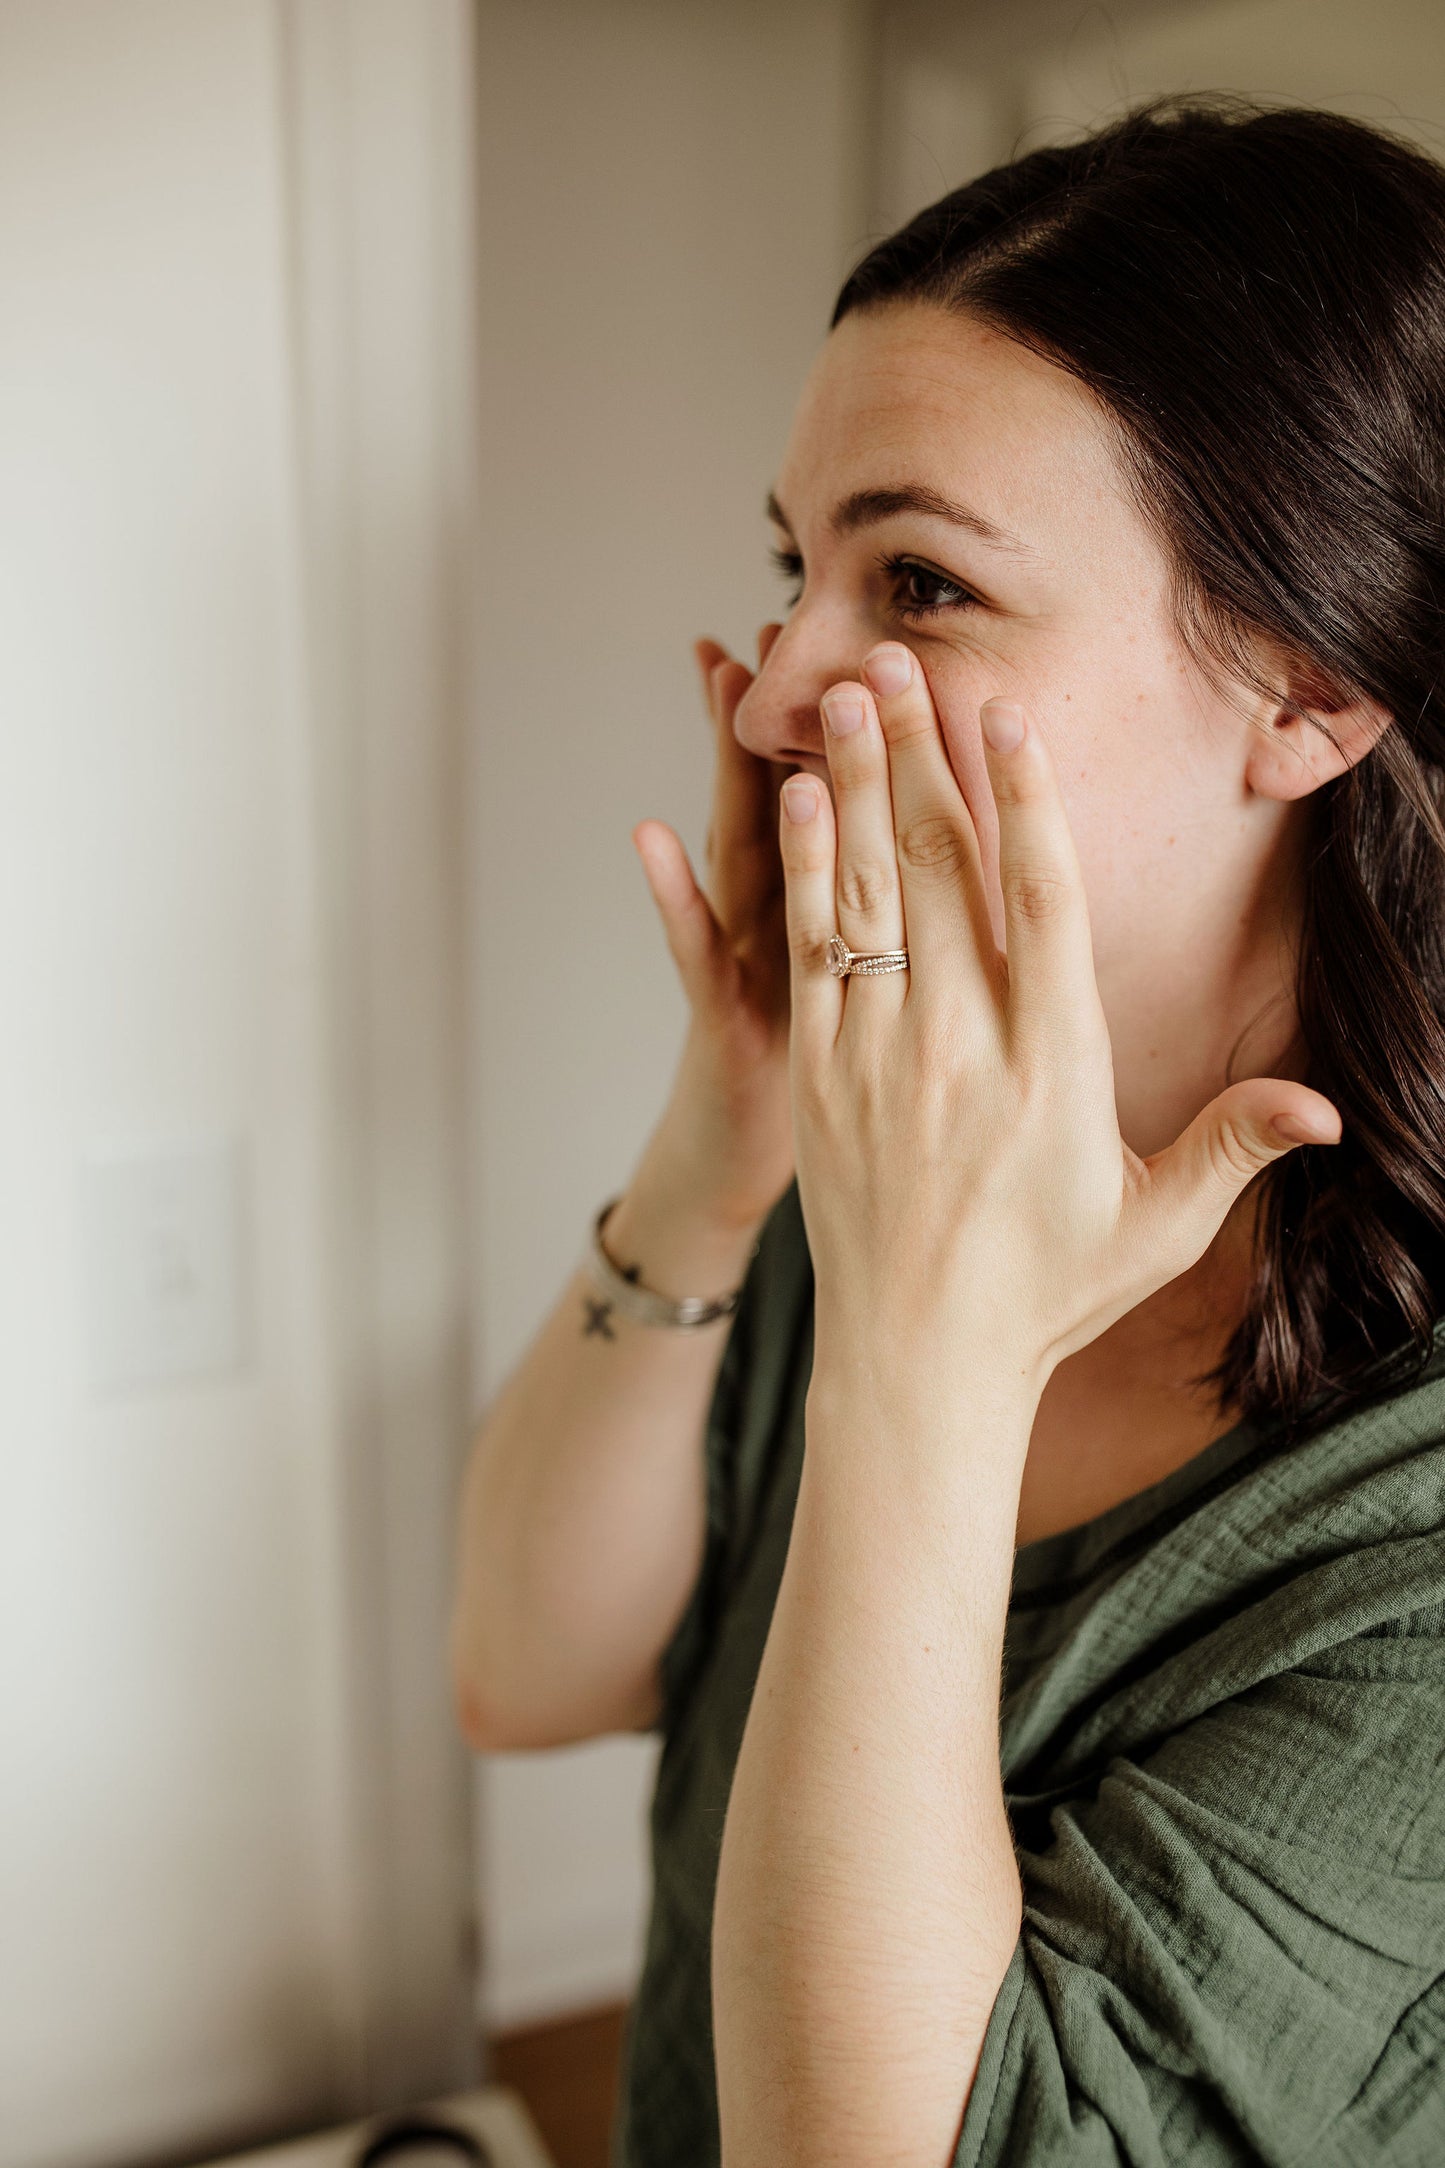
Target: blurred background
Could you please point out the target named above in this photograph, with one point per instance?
(388, 393)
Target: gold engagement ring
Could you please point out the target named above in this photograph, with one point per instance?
(842, 960)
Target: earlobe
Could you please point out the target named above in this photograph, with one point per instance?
(1305, 742)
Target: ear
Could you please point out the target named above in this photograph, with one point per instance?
(1290, 754)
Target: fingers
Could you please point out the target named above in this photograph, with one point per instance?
(1046, 916)
(742, 842)
(807, 840)
(935, 844)
(868, 892)
(1193, 1183)
(707, 654)
(694, 936)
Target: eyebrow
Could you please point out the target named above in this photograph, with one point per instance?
(867, 507)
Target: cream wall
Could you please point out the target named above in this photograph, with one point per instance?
(1382, 62)
(671, 192)
(214, 1924)
(172, 1917)
(965, 87)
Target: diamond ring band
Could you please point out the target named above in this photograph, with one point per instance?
(843, 961)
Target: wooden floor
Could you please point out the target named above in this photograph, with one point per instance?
(567, 2074)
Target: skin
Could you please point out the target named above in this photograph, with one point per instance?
(1186, 794)
(1000, 1164)
(1179, 803)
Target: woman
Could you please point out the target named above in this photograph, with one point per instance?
(1085, 1377)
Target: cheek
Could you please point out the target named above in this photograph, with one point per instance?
(1144, 803)
(1124, 773)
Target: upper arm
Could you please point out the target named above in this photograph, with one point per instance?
(646, 1711)
(1234, 1948)
(648, 1703)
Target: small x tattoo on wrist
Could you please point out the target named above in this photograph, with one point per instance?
(599, 1314)
(598, 1319)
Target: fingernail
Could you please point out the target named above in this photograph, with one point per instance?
(1003, 724)
(888, 669)
(1300, 1129)
(800, 797)
(843, 710)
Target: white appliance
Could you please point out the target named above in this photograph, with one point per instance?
(495, 2117)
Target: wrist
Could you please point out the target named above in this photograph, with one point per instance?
(883, 1450)
(691, 1168)
(901, 1327)
(728, 1150)
(932, 1392)
(681, 1242)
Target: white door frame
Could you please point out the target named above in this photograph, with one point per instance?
(378, 116)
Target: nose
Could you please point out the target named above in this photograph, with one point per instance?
(777, 717)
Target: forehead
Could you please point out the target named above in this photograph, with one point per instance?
(917, 393)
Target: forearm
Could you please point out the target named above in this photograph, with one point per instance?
(868, 1901)
(582, 1505)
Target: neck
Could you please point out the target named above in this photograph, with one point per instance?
(1200, 1004)
(1181, 1035)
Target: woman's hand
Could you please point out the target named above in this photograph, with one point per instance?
(727, 1133)
(960, 1167)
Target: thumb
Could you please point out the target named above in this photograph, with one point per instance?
(694, 936)
(1197, 1178)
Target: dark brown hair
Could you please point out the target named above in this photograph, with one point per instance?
(1257, 299)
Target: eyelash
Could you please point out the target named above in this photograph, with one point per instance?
(790, 564)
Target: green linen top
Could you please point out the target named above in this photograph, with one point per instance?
(1222, 1738)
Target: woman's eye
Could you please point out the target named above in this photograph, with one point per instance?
(918, 591)
(790, 564)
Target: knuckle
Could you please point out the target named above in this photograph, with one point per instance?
(1034, 896)
(904, 722)
(956, 1049)
(864, 888)
(808, 946)
(1234, 1159)
(812, 1097)
(932, 844)
(943, 1041)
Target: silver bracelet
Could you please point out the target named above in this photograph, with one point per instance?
(624, 1291)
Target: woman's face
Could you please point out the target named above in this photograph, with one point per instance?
(945, 487)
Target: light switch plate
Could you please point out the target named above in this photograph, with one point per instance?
(163, 1241)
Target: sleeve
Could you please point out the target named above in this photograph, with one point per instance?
(1233, 1950)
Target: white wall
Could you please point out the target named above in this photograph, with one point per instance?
(671, 192)
(186, 1844)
